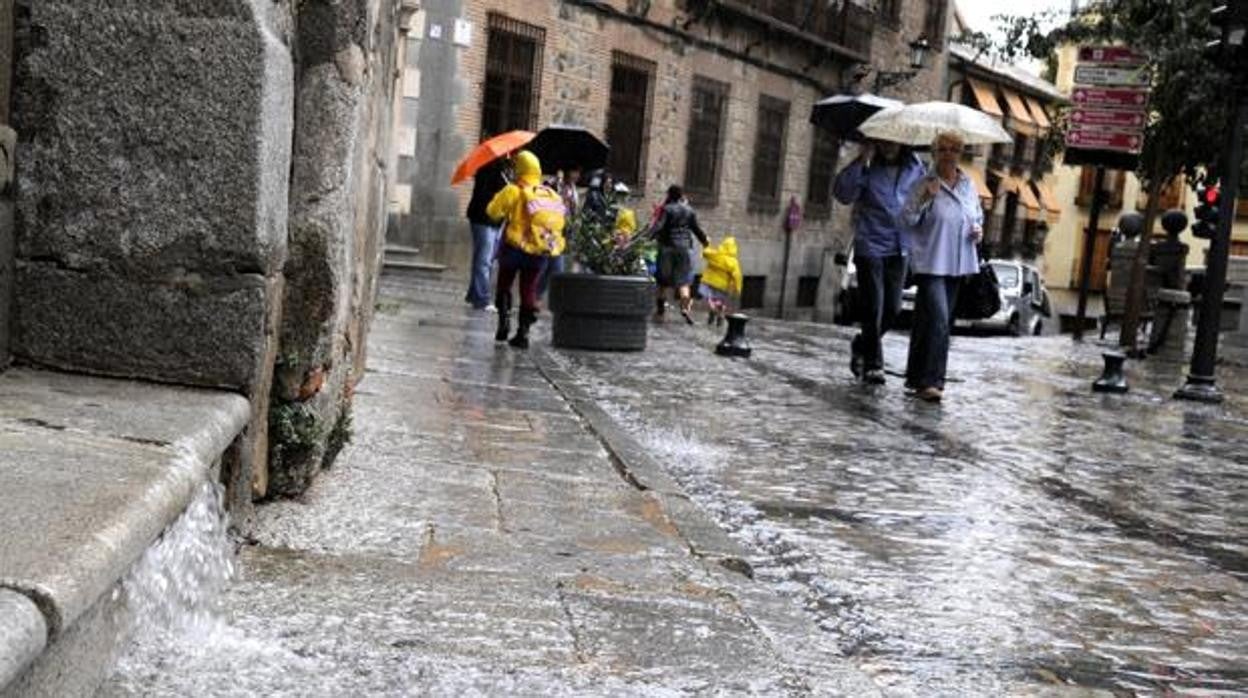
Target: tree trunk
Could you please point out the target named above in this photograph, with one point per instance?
(1136, 289)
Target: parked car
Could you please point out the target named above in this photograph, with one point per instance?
(1025, 305)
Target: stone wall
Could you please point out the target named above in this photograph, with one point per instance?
(165, 230)
(345, 85)
(575, 88)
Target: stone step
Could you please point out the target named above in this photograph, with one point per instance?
(393, 250)
(408, 267)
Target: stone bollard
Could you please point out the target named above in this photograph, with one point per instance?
(735, 343)
(1114, 378)
(1169, 333)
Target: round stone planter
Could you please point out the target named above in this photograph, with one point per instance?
(603, 313)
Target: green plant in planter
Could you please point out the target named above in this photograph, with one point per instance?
(600, 249)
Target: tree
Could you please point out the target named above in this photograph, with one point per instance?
(1191, 94)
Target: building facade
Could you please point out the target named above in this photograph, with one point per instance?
(711, 94)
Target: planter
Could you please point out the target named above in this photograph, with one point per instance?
(604, 313)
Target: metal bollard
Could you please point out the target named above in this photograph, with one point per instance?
(1114, 378)
(734, 343)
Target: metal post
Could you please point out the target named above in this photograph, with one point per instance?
(1201, 379)
(1089, 249)
(784, 274)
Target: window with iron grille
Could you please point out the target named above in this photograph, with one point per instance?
(753, 291)
(934, 27)
(708, 107)
(807, 291)
(773, 121)
(628, 121)
(889, 12)
(513, 76)
(823, 157)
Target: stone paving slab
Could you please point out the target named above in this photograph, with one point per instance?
(23, 634)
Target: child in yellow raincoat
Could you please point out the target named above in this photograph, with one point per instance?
(721, 280)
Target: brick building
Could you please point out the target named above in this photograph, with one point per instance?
(712, 94)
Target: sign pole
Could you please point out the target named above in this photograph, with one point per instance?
(1089, 249)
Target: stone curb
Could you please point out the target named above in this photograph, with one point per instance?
(23, 635)
(794, 636)
(705, 538)
(93, 471)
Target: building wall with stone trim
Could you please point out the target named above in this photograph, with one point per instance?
(575, 89)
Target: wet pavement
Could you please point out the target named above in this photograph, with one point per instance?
(1026, 537)
(476, 538)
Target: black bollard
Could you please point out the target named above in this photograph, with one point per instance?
(1114, 378)
(735, 343)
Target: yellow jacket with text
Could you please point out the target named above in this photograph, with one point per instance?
(511, 205)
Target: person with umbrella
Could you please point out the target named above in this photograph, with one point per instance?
(675, 229)
(535, 217)
(946, 222)
(876, 184)
(487, 182)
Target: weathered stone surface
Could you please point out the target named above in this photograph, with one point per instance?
(94, 470)
(194, 330)
(23, 634)
(153, 187)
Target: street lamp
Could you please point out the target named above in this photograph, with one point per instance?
(918, 60)
(1201, 385)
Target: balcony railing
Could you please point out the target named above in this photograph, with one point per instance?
(848, 27)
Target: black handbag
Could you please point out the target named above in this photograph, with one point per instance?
(980, 295)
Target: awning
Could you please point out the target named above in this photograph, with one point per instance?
(1047, 200)
(1037, 113)
(985, 97)
(1020, 118)
(1027, 198)
(977, 178)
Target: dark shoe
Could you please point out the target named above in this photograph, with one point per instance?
(527, 318)
(930, 394)
(857, 364)
(504, 319)
(660, 309)
(685, 314)
(874, 376)
(710, 318)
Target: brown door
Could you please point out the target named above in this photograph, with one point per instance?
(1100, 262)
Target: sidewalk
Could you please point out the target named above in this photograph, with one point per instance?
(481, 536)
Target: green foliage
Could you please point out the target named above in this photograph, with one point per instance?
(597, 247)
(293, 429)
(1191, 92)
(339, 436)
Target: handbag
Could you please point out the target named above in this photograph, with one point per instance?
(980, 295)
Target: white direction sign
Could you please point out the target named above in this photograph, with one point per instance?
(1105, 76)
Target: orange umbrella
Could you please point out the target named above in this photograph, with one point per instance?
(489, 151)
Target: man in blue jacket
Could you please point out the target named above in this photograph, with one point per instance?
(877, 183)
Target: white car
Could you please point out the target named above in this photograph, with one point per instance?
(1025, 303)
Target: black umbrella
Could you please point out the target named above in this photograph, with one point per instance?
(843, 114)
(566, 147)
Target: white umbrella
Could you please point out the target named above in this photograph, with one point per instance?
(918, 124)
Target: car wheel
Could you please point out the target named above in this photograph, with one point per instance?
(1014, 326)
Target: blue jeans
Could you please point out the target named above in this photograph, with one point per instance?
(484, 238)
(880, 282)
(929, 338)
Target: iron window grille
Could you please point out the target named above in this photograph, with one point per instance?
(768, 176)
(823, 161)
(753, 291)
(708, 104)
(628, 121)
(513, 76)
(807, 291)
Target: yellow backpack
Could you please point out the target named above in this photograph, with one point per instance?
(547, 218)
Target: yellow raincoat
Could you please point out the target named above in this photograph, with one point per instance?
(625, 223)
(509, 204)
(723, 271)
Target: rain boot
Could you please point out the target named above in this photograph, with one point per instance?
(527, 318)
(504, 318)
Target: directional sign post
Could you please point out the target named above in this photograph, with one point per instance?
(1106, 130)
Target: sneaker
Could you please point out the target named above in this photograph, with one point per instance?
(491, 308)
(930, 394)
(874, 376)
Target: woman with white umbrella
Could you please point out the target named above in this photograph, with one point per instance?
(946, 222)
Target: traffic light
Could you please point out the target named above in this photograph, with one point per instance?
(1208, 212)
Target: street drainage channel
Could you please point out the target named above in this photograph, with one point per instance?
(173, 600)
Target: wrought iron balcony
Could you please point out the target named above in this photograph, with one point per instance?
(846, 29)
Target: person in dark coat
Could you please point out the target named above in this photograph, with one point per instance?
(674, 231)
(489, 181)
